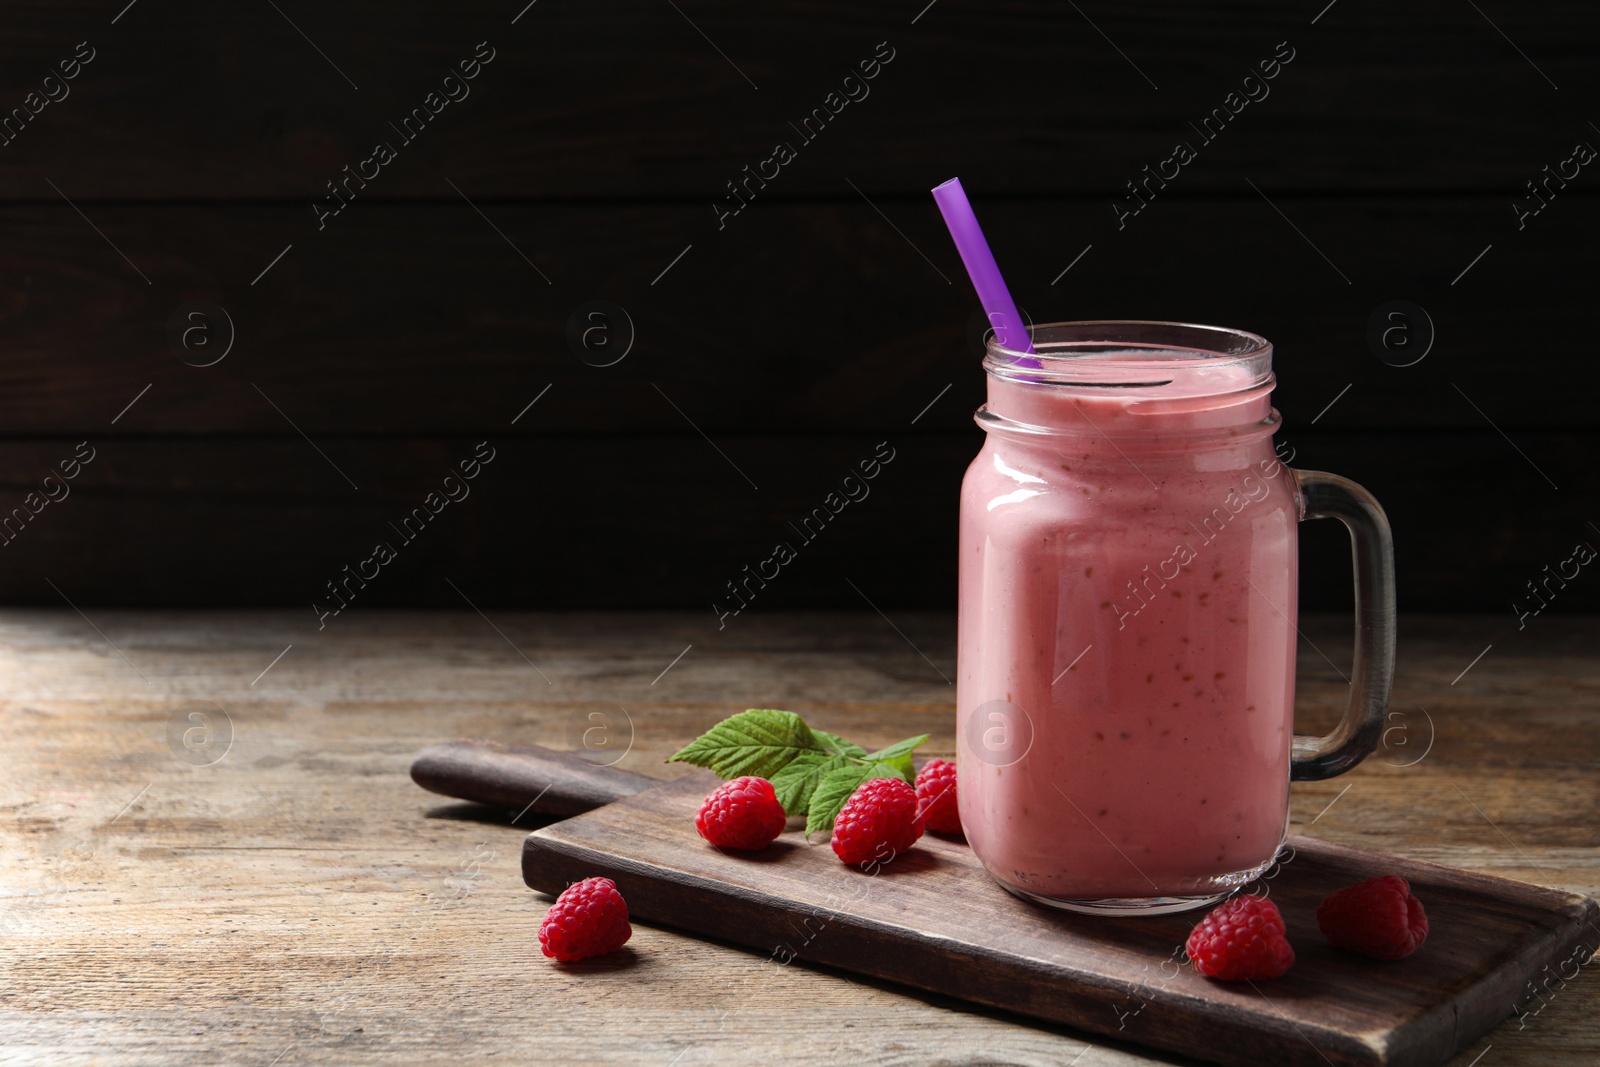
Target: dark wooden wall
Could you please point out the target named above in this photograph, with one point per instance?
(371, 356)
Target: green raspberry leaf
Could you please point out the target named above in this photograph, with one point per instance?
(796, 783)
(760, 742)
(838, 745)
(899, 755)
(836, 787)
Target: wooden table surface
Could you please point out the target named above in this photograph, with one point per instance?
(300, 901)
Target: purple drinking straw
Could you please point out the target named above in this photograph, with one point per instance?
(981, 267)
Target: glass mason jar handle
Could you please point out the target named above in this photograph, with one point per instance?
(1328, 496)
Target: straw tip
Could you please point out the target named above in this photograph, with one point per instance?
(956, 182)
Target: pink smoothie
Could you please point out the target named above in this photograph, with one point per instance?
(1128, 578)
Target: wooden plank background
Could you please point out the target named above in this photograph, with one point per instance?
(368, 356)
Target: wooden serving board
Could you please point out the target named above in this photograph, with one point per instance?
(933, 919)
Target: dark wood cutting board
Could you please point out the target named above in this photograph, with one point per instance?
(933, 919)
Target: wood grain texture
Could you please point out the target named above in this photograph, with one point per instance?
(661, 521)
(934, 919)
(629, 98)
(797, 318)
(301, 898)
(585, 163)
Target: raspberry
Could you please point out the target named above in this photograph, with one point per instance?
(936, 797)
(589, 918)
(742, 814)
(878, 822)
(1378, 918)
(1241, 940)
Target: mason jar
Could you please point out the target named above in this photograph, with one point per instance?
(1128, 581)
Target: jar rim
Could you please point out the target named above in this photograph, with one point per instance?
(1142, 356)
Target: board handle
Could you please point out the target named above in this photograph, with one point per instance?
(524, 778)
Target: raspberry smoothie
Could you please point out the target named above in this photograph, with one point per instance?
(1126, 658)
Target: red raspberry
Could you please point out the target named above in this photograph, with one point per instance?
(936, 797)
(1378, 918)
(742, 814)
(1241, 940)
(589, 918)
(878, 822)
